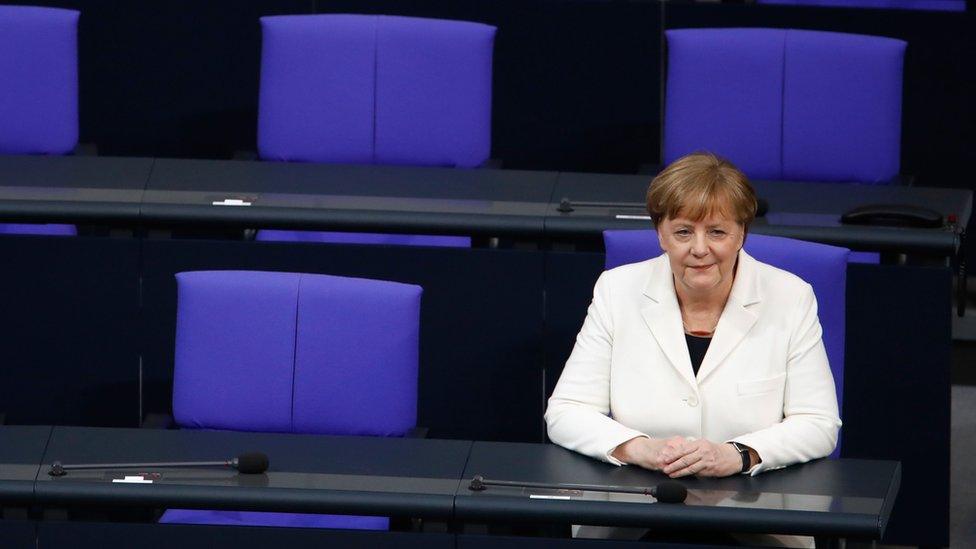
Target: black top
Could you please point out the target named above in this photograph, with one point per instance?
(696, 348)
(307, 474)
(830, 496)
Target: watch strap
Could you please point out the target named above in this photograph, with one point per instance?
(744, 452)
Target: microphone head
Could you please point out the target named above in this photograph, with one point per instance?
(670, 492)
(252, 463)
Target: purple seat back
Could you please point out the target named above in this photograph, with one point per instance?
(356, 356)
(371, 89)
(786, 104)
(262, 351)
(823, 267)
(38, 80)
(934, 5)
(261, 518)
(738, 114)
(325, 237)
(45, 229)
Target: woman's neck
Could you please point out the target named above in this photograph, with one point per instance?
(702, 301)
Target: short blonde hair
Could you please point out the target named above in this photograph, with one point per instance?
(698, 185)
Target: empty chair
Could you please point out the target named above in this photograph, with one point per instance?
(38, 89)
(786, 104)
(823, 267)
(306, 353)
(373, 89)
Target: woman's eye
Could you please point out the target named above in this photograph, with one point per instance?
(683, 233)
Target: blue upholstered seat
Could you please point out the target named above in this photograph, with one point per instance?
(294, 353)
(38, 90)
(786, 104)
(372, 89)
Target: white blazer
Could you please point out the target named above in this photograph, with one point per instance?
(764, 382)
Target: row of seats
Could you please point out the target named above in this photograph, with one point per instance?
(781, 104)
(333, 355)
(364, 89)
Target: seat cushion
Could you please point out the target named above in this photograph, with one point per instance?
(46, 229)
(327, 237)
(235, 350)
(724, 95)
(356, 357)
(433, 92)
(842, 107)
(291, 520)
(317, 81)
(39, 86)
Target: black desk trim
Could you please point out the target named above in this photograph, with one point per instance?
(153, 209)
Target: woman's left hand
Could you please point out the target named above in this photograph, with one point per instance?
(705, 459)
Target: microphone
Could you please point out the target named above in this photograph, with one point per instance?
(668, 491)
(250, 463)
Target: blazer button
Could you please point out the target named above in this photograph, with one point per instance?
(692, 401)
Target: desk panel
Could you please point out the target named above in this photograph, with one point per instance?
(468, 541)
(824, 497)
(18, 534)
(70, 330)
(21, 453)
(72, 188)
(94, 535)
(307, 473)
(346, 197)
(806, 211)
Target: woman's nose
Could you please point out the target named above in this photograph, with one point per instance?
(699, 246)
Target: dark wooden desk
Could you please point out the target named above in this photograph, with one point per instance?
(840, 498)
(801, 210)
(418, 478)
(171, 193)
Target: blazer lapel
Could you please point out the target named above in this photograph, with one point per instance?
(737, 318)
(663, 318)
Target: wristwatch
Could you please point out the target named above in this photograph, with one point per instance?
(744, 452)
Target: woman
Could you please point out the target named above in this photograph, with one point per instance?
(702, 361)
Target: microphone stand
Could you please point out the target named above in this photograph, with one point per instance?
(59, 470)
(480, 483)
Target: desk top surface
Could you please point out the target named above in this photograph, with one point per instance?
(348, 197)
(803, 210)
(430, 478)
(307, 473)
(72, 188)
(826, 495)
(424, 200)
(21, 451)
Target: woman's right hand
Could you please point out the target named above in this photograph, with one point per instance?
(650, 453)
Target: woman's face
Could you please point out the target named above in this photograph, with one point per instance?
(702, 253)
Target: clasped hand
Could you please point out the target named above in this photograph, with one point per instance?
(680, 456)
